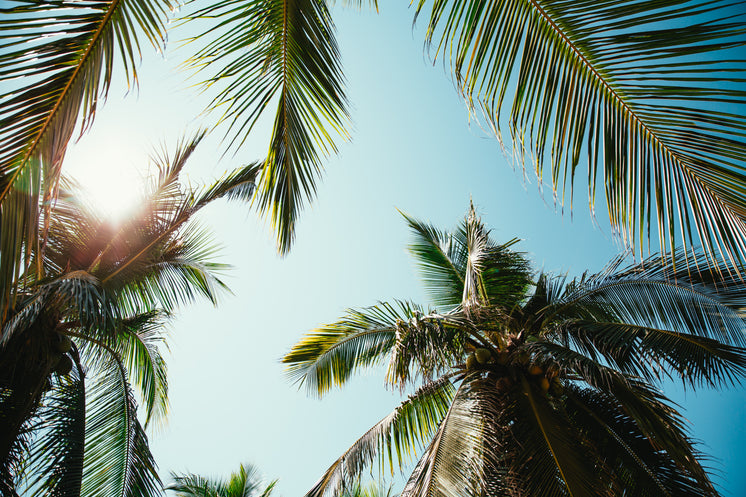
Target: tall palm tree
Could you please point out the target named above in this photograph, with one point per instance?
(524, 384)
(245, 482)
(85, 329)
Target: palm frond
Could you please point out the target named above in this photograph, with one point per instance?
(118, 461)
(55, 462)
(442, 261)
(139, 339)
(451, 465)
(283, 51)
(467, 265)
(645, 294)
(650, 92)
(639, 467)
(191, 485)
(56, 62)
(653, 413)
(656, 353)
(395, 437)
(237, 185)
(328, 356)
(552, 462)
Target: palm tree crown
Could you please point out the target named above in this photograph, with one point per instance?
(532, 384)
(242, 483)
(84, 335)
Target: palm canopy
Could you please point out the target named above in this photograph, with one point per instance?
(86, 332)
(650, 94)
(245, 482)
(57, 60)
(531, 384)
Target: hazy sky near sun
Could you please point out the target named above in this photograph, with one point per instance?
(412, 149)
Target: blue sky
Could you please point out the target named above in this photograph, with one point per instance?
(413, 148)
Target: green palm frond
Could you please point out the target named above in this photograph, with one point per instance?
(56, 457)
(458, 434)
(651, 411)
(655, 353)
(139, 340)
(329, 355)
(56, 62)
(395, 437)
(169, 272)
(245, 482)
(467, 265)
(264, 52)
(646, 295)
(649, 93)
(552, 462)
(646, 471)
(236, 185)
(117, 459)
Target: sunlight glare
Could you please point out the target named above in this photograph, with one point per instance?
(113, 186)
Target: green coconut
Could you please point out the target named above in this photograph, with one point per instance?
(482, 355)
(64, 366)
(471, 362)
(63, 344)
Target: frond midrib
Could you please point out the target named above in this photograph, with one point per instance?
(617, 97)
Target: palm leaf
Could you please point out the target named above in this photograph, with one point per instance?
(56, 61)
(117, 459)
(408, 426)
(639, 468)
(329, 355)
(650, 92)
(451, 465)
(552, 460)
(56, 457)
(265, 51)
(138, 345)
(647, 295)
(466, 267)
(243, 483)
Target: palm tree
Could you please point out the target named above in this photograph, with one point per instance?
(243, 483)
(526, 384)
(86, 327)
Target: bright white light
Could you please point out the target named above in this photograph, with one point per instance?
(110, 174)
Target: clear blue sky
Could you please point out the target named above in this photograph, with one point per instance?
(413, 149)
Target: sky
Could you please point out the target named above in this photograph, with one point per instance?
(413, 148)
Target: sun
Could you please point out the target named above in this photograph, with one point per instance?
(109, 176)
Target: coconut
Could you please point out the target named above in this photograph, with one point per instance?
(556, 386)
(63, 344)
(535, 370)
(64, 366)
(482, 355)
(471, 362)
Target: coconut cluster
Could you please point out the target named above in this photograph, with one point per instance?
(512, 361)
